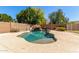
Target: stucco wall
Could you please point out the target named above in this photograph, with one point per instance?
(73, 27)
(7, 26)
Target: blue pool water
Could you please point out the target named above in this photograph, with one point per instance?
(35, 35)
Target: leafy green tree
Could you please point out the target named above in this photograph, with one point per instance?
(31, 16)
(52, 17)
(58, 17)
(5, 18)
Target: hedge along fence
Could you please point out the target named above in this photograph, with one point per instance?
(72, 26)
(9, 26)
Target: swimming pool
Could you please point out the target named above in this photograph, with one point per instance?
(38, 37)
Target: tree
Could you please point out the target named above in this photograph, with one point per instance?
(52, 17)
(31, 16)
(58, 17)
(5, 18)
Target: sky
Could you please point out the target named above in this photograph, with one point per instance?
(72, 12)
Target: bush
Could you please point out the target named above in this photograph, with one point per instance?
(14, 30)
(60, 28)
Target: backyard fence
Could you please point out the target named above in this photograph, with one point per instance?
(68, 26)
(54, 26)
(9, 26)
(73, 26)
(51, 26)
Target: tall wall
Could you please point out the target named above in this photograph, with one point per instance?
(7, 26)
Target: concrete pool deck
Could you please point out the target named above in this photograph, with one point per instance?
(66, 42)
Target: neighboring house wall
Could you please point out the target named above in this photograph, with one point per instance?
(7, 26)
(72, 26)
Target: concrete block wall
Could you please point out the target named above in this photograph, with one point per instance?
(8, 26)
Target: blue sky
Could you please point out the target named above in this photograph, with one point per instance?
(70, 11)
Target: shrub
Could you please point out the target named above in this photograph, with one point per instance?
(14, 30)
(60, 28)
